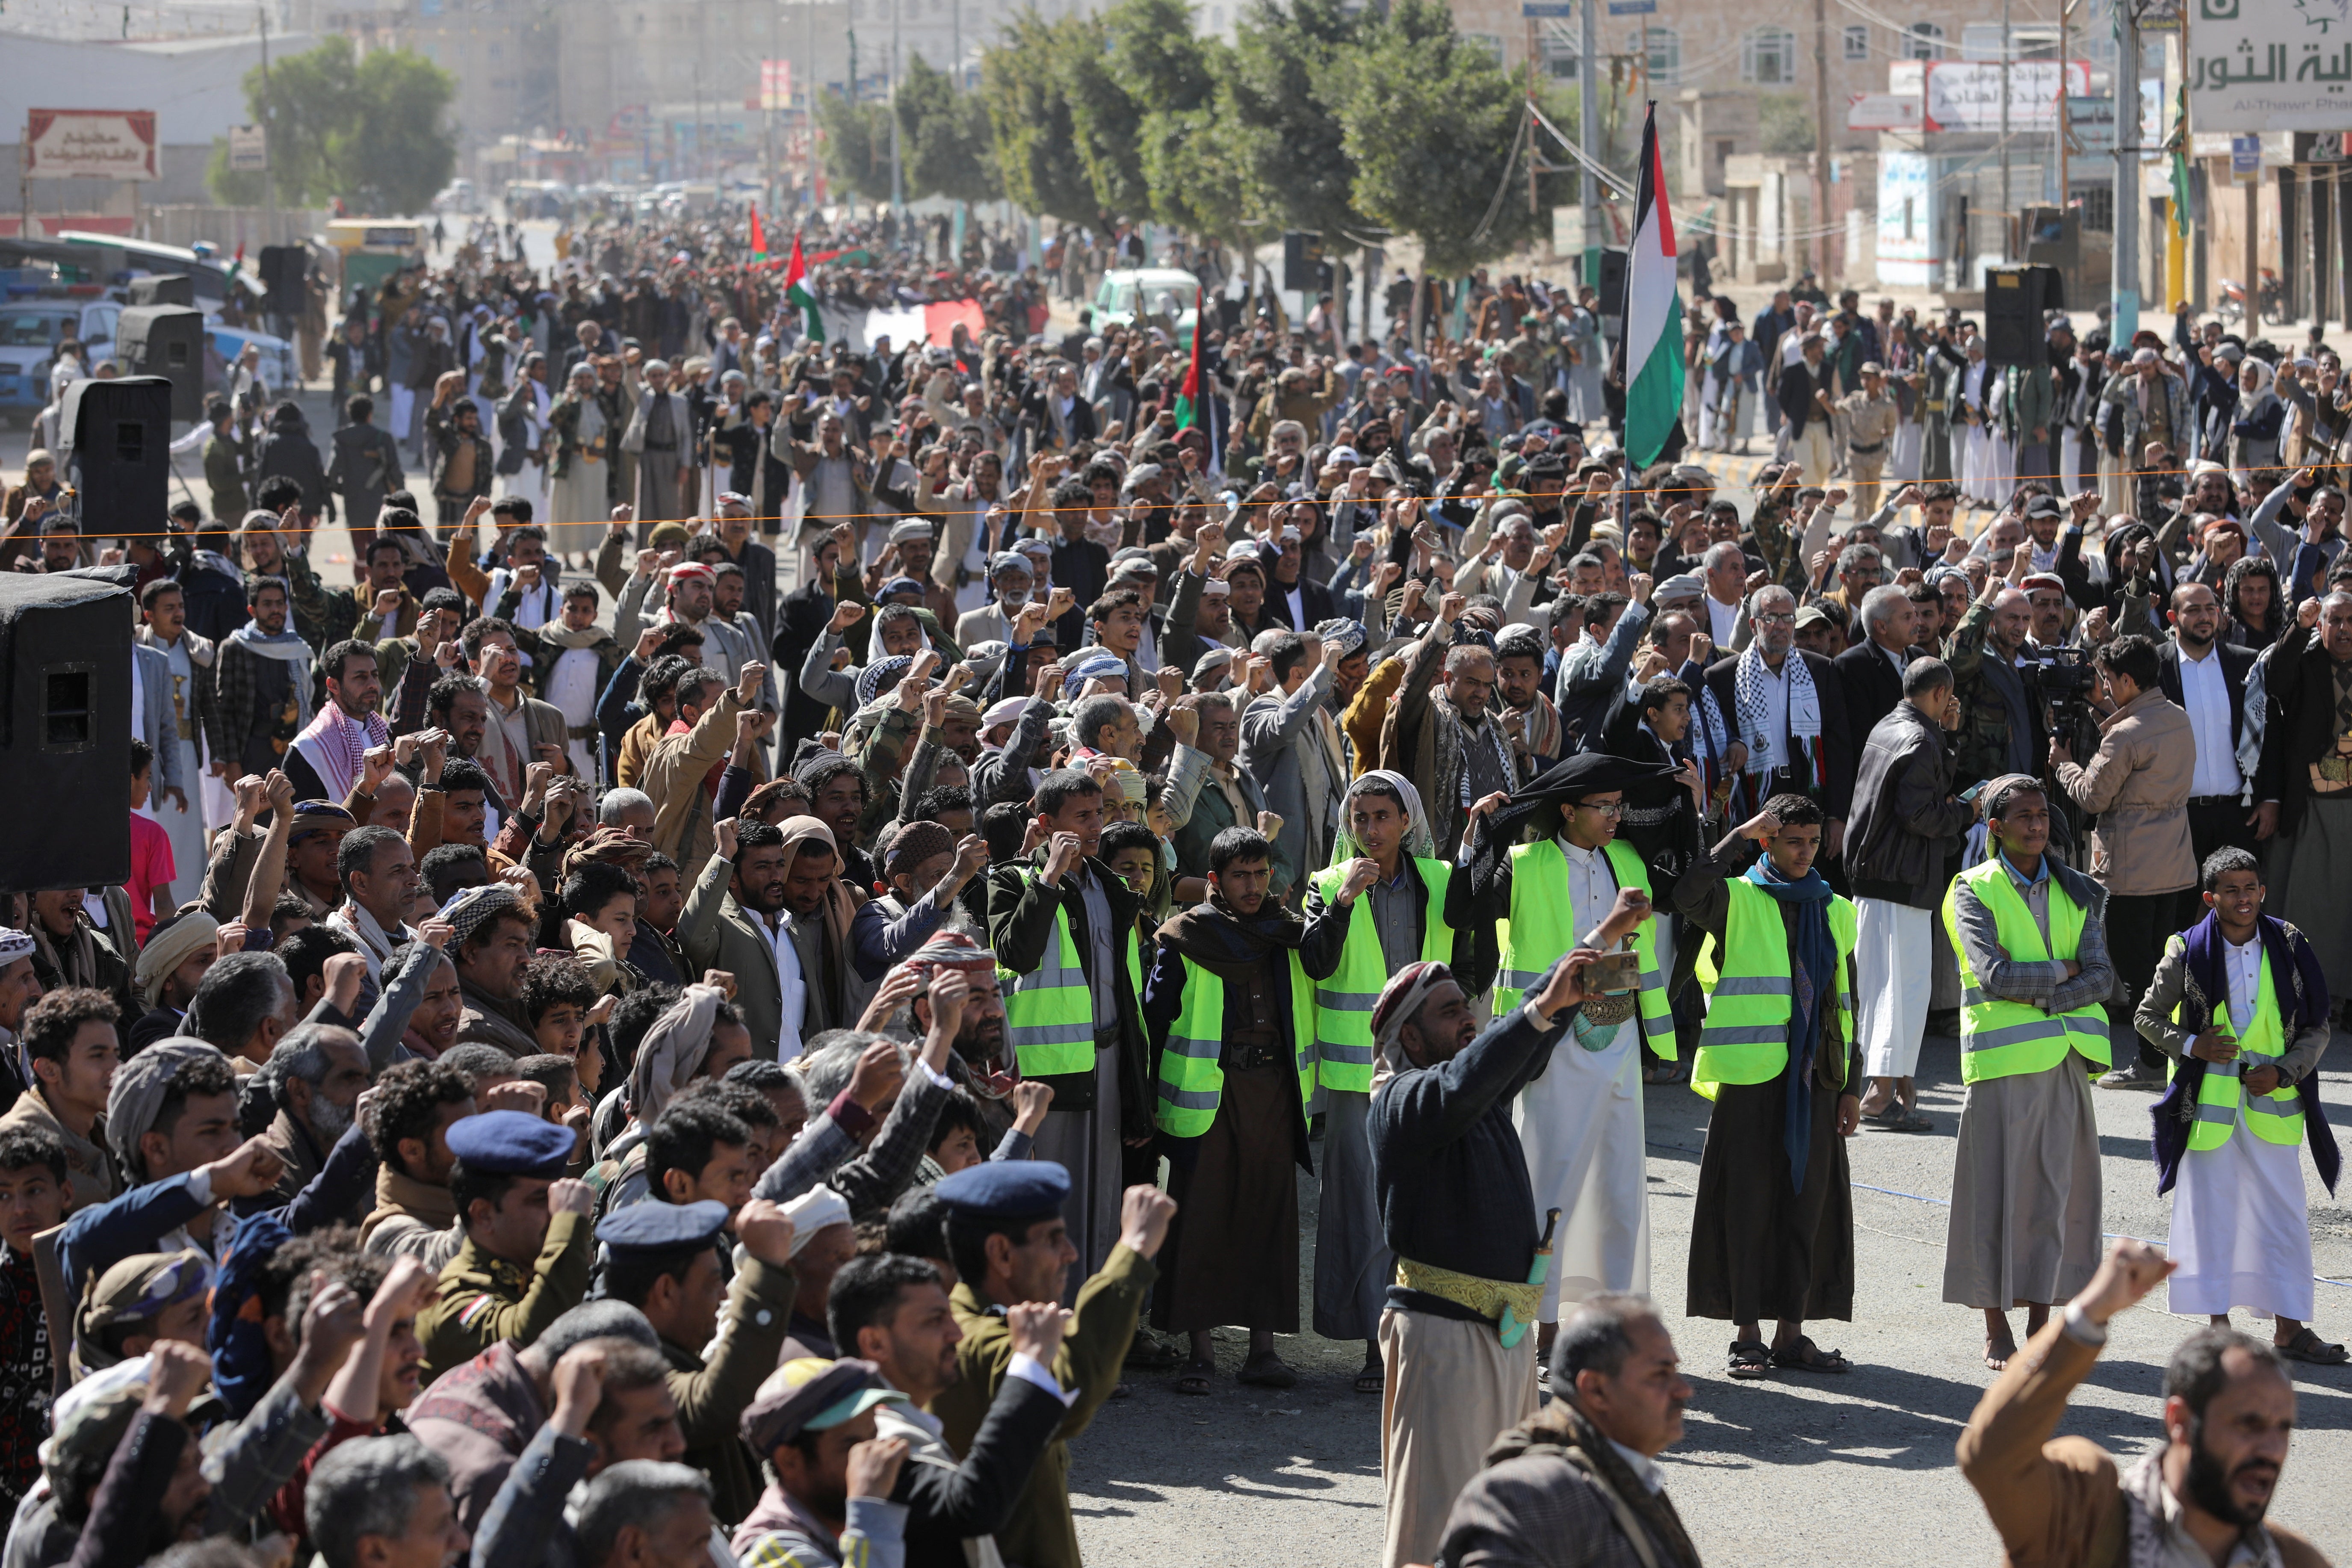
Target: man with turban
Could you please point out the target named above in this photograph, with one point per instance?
(1458, 1210)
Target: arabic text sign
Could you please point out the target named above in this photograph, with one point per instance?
(2270, 64)
(90, 143)
(1965, 95)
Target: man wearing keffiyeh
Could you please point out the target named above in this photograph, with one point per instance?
(1772, 720)
(330, 755)
(1772, 1231)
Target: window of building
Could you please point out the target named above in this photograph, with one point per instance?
(1767, 56)
(1924, 41)
(1663, 46)
(1490, 42)
(1983, 41)
(1857, 42)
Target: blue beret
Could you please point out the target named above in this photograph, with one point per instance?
(901, 586)
(511, 1144)
(1006, 1189)
(657, 1226)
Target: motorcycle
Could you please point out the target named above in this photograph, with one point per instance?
(2231, 307)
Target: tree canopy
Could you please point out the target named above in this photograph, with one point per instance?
(372, 132)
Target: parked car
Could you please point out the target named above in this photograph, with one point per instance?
(31, 327)
(1128, 294)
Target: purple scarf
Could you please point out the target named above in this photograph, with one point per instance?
(2302, 993)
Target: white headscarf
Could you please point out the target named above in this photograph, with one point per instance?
(1419, 842)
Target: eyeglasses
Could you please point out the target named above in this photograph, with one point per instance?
(1612, 808)
(1772, 618)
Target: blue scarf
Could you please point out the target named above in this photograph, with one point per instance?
(1812, 991)
(2301, 990)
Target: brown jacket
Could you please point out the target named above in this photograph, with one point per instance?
(2057, 1502)
(95, 1179)
(2138, 784)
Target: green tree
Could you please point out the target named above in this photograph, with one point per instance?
(372, 132)
(1036, 140)
(1201, 167)
(856, 144)
(399, 153)
(1108, 119)
(1784, 124)
(1285, 79)
(1436, 129)
(946, 146)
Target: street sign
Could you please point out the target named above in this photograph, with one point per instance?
(1632, 7)
(2245, 160)
(1883, 112)
(248, 150)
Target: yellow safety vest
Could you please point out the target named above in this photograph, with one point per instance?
(1191, 1082)
(1541, 927)
(2000, 1038)
(1343, 1003)
(1049, 1013)
(1746, 1040)
(2275, 1116)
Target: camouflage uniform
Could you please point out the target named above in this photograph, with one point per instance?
(484, 1299)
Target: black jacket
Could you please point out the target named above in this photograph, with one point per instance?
(2301, 728)
(366, 466)
(2237, 664)
(1904, 817)
(286, 448)
(1837, 794)
(1313, 598)
(1798, 384)
(1020, 922)
(1872, 688)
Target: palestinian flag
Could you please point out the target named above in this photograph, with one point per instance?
(1652, 344)
(796, 294)
(759, 236)
(1188, 413)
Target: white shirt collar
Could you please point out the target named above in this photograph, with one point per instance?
(1646, 1470)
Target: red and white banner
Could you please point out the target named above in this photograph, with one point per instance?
(90, 143)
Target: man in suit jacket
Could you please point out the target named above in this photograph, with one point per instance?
(1206, 792)
(1803, 394)
(1870, 671)
(1809, 752)
(152, 713)
(2207, 678)
(660, 436)
(1292, 746)
(1293, 598)
(764, 910)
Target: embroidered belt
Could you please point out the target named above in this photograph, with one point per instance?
(1487, 1298)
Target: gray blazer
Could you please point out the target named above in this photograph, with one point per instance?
(1279, 744)
(156, 725)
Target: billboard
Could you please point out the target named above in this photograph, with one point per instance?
(90, 143)
(1965, 95)
(776, 84)
(2270, 64)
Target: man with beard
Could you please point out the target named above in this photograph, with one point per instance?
(493, 935)
(770, 909)
(2200, 1496)
(1784, 709)
(979, 1065)
(517, 728)
(928, 869)
(1232, 1023)
(1063, 926)
(316, 1073)
(893, 1311)
(527, 1247)
(1443, 736)
(262, 676)
(1458, 1210)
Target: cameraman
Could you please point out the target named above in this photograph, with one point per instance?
(2137, 786)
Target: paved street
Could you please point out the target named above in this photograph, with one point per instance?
(1854, 1471)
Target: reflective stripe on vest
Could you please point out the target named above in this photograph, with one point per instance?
(1191, 1082)
(1542, 926)
(1746, 1040)
(2275, 1116)
(1343, 1003)
(1049, 1013)
(1999, 1038)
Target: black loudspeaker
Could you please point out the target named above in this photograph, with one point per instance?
(1613, 284)
(118, 452)
(65, 733)
(2015, 300)
(164, 288)
(166, 340)
(283, 268)
(1302, 253)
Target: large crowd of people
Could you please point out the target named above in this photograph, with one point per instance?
(787, 926)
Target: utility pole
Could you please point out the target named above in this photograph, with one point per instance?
(2065, 129)
(269, 159)
(1821, 127)
(1531, 118)
(808, 120)
(1587, 134)
(898, 199)
(2008, 70)
(2126, 287)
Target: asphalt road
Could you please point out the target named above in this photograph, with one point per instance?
(1849, 1471)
